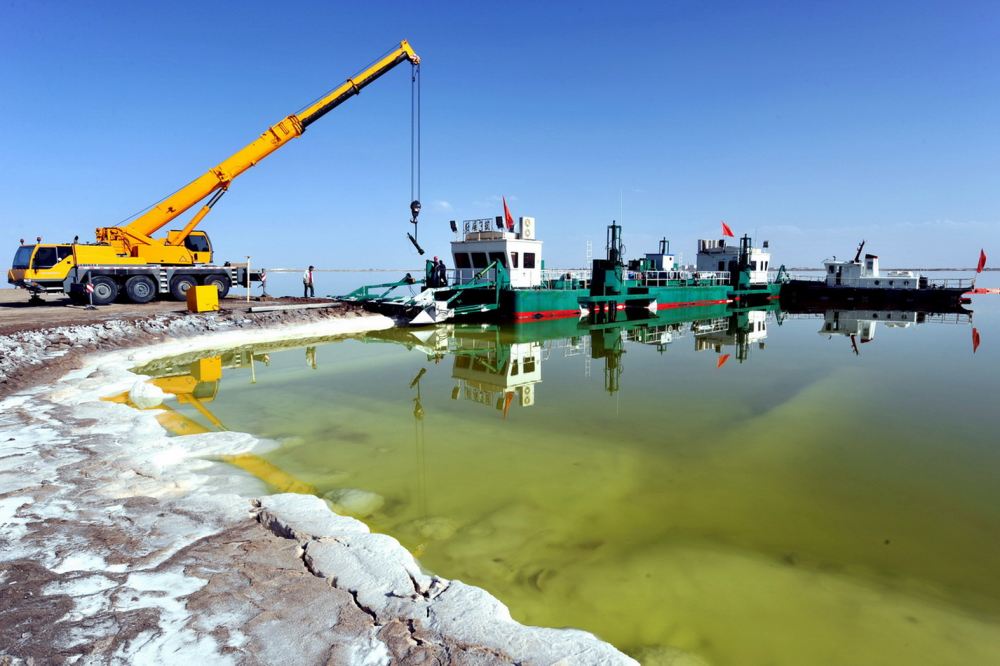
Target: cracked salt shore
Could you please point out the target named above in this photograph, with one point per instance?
(119, 544)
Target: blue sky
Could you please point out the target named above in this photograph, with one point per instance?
(812, 124)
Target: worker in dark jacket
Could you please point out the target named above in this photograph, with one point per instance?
(430, 273)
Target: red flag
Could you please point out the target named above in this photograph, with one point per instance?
(508, 398)
(507, 216)
(722, 359)
(975, 339)
(726, 231)
(982, 261)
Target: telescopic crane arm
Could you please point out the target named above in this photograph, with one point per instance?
(217, 180)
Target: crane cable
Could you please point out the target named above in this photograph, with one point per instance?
(415, 134)
(415, 154)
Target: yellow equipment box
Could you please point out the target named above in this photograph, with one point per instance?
(203, 299)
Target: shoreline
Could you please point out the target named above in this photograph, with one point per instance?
(123, 544)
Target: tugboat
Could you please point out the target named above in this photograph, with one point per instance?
(861, 282)
(500, 275)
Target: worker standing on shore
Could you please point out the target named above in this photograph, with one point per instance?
(307, 283)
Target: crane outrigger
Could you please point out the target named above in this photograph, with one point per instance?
(128, 258)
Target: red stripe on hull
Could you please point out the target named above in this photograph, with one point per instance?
(545, 314)
(562, 314)
(690, 304)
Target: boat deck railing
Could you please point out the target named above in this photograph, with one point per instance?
(806, 277)
(960, 318)
(561, 278)
(666, 278)
(457, 276)
(551, 278)
(950, 283)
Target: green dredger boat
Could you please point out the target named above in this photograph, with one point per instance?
(499, 275)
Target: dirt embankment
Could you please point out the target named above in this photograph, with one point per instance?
(39, 343)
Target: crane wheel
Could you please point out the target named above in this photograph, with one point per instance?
(179, 286)
(220, 282)
(140, 289)
(105, 289)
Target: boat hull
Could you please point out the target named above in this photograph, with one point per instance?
(528, 305)
(796, 292)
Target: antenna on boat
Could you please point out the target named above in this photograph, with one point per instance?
(857, 257)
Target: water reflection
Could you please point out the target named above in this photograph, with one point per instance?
(718, 481)
(498, 366)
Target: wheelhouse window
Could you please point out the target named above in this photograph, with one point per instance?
(529, 259)
(499, 257)
(22, 258)
(479, 260)
(197, 243)
(513, 260)
(462, 260)
(722, 266)
(45, 257)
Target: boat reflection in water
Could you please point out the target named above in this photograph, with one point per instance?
(860, 325)
(724, 477)
(499, 366)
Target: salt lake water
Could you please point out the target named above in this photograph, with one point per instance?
(749, 488)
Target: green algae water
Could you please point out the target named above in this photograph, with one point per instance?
(709, 487)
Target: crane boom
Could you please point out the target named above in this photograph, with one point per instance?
(218, 178)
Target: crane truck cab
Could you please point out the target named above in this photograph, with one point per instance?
(41, 267)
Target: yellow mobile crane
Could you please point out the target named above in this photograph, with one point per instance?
(128, 259)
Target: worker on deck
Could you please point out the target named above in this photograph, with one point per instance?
(307, 283)
(431, 273)
(442, 273)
